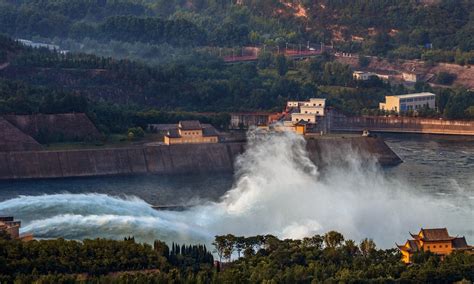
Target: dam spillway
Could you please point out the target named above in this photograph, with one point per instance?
(168, 159)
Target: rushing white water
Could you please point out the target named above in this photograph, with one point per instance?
(278, 190)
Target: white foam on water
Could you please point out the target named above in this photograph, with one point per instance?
(277, 190)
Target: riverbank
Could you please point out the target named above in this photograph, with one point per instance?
(168, 160)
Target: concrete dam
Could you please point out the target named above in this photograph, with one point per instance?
(164, 159)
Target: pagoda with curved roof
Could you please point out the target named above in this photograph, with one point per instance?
(437, 241)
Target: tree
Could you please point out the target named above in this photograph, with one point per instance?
(162, 248)
(220, 243)
(364, 61)
(445, 78)
(315, 241)
(239, 245)
(265, 60)
(367, 246)
(333, 239)
(281, 64)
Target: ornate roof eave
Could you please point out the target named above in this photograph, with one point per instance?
(403, 247)
(416, 237)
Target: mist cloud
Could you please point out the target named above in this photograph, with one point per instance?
(277, 190)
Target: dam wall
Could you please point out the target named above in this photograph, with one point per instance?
(161, 159)
(164, 159)
(402, 125)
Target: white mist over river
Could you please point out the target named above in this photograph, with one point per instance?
(276, 190)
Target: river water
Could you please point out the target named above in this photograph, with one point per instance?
(271, 194)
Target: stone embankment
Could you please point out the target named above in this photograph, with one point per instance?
(163, 159)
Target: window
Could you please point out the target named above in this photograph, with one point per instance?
(320, 105)
(446, 246)
(317, 112)
(427, 247)
(434, 247)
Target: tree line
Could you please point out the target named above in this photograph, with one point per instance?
(253, 259)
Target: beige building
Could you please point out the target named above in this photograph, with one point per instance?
(403, 103)
(307, 111)
(191, 132)
(308, 117)
(412, 76)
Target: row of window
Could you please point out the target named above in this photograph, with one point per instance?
(308, 120)
(440, 246)
(213, 139)
(431, 98)
(192, 133)
(410, 107)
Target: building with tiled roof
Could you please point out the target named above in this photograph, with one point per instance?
(191, 132)
(12, 228)
(437, 241)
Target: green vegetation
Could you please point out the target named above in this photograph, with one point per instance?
(257, 259)
(404, 29)
(122, 94)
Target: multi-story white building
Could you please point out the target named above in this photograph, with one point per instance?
(307, 110)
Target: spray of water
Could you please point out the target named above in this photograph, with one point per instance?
(278, 190)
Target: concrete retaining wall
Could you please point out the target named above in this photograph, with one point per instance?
(175, 159)
(402, 124)
(162, 159)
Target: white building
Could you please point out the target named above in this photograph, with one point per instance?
(308, 110)
(362, 75)
(312, 102)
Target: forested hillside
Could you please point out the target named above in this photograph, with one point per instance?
(397, 28)
(118, 94)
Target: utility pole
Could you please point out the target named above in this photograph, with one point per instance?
(307, 46)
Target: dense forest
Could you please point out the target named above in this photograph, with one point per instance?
(394, 28)
(258, 259)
